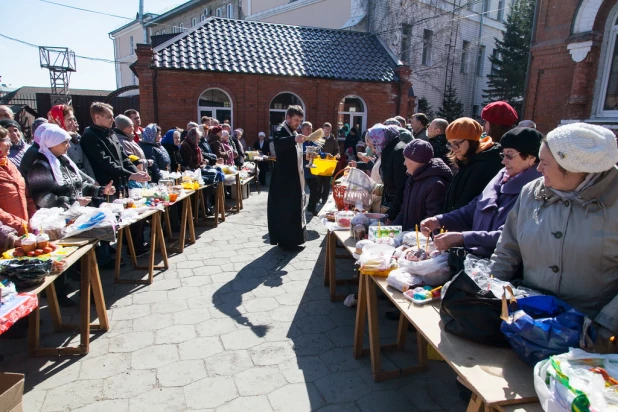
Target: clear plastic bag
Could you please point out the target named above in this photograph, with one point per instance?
(434, 271)
(50, 221)
(376, 257)
(95, 223)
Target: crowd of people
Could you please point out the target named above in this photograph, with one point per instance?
(542, 208)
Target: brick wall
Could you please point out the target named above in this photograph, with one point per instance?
(178, 91)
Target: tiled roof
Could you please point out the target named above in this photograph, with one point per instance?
(240, 46)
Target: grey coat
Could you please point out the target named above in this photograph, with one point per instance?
(568, 248)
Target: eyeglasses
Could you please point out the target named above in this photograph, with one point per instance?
(455, 145)
(509, 156)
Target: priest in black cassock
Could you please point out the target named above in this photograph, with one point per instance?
(286, 196)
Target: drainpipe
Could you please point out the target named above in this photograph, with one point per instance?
(537, 8)
(155, 98)
(478, 51)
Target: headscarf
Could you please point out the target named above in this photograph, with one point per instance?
(56, 114)
(169, 137)
(150, 133)
(36, 123)
(381, 136)
(51, 137)
(192, 137)
(39, 131)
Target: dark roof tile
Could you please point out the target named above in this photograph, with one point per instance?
(241, 46)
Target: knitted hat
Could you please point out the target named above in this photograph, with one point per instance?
(500, 113)
(583, 148)
(405, 135)
(215, 130)
(6, 123)
(36, 123)
(464, 128)
(525, 140)
(418, 151)
(122, 122)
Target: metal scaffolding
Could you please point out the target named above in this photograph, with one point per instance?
(60, 61)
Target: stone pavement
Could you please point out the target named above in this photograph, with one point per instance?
(233, 325)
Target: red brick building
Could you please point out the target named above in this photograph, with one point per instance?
(249, 72)
(574, 70)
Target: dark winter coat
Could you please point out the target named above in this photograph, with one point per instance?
(240, 159)
(440, 148)
(106, 156)
(424, 194)
(28, 160)
(47, 193)
(482, 220)
(190, 155)
(207, 152)
(160, 159)
(217, 148)
(471, 179)
(394, 176)
(176, 157)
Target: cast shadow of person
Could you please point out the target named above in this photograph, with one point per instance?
(266, 270)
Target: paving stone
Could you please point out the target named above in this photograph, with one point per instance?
(154, 356)
(259, 380)
(169, 306)
(184, 292)
(287, 313)
(341, 360)
(104, 366)
(216, 327)
(229, 363)
(271, 353)
(33, 400)
(342, 387)
(196, 281)
(130, 342)
(193, 264)
(159, 400)
(240, 339)
(297, 397)
(200, 302)
(340, 407)
(380, 401)
(281, 331)
(247, 404)
(303, 369)
(86, 392)
(417, 393)
(261, 305)
(191, 316)
(210, 392)
(165, 284)
(200, 348)
(62, 376)
(116, 405)
(227, 310)
(175, 334)
(130, 312)
(181, 373)
(128, 384)
(152, 323)
(152, 296)
(311, 344)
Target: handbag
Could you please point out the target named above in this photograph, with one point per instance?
(472, 313)
(538, 327)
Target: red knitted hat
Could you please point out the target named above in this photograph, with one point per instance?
(500, 113)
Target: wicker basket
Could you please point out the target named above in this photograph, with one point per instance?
(338, 191)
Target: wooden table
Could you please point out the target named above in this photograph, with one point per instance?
(495, 375)
(186, 221)
(330, 268)
(200, 204)
(156, 238)
(89, 278)
(238, 187)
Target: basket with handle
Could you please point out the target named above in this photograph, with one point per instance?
(359, 188)
(338, 191)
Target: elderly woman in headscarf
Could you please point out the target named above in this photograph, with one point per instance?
(63, 115)
(55, 180)
(240, 136)
(228, 156)
(190, 151)
(172, 143)
(387, 145)
(151, 145)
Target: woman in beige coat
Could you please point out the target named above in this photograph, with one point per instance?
(563, 229)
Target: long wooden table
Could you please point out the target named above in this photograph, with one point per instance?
(495, 375)
(89, 279)
(238, 188)
(156, 239)
(186, 221)
(330, 258)
(200, 205)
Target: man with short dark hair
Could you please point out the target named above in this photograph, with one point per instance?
(436, 133)
(419, 124)
(401, 121)
(331, 146)
(137, 123)
(286, 197)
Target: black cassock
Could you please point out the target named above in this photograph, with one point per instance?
(286, 195)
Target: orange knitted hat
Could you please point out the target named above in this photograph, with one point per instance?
(464, 128)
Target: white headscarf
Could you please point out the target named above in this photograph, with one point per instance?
(39, 130)
(51, 137)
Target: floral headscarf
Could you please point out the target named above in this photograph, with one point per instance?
(150, 133)
(381, 136)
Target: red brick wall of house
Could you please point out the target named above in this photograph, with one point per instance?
(558, 87)
(177, 93)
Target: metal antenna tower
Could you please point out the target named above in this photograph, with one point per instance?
(60, 61)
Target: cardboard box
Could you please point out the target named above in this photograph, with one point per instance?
(244, 190)
(11, 392)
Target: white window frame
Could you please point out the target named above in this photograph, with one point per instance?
(131, 46)
(206, 12)
(427, 47)
(214, 108)
(219, 12)
(465, 58)
(607, 66)
(406, 42)
(202, 18)
(229, 11)
(501, 11)
(193, 22)
(480, 60)
(302, 103)
(362, 114)
(162, 31)
(181, 27)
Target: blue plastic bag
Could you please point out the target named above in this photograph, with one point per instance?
(542, 326)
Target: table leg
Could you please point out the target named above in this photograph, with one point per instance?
(361, 315)
(332, 267)
(54, 308)
(131, 246)
(118, 254)
(183, 225)
(153, 245)
(238, 194)
(216, 206)
(161, 240)
(97, 292)
(402, 332)
(167, 223)
(192, 236)
(327, 260)
(34, 331)
(374, 329)
(221, 200)
(202, 205)
(86, 268)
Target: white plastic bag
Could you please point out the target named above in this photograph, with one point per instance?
(48, 220)
(95, 223)
(376, 257)
(401, 280)
(434, 271)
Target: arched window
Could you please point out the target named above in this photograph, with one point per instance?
(608, 96)
(279, 106)
(352, 111)
(217, 104)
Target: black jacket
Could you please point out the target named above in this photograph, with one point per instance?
(394, 176)
(471, 179)
(175, 156)
(106, 156)
(265, 148)
(207, 153)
